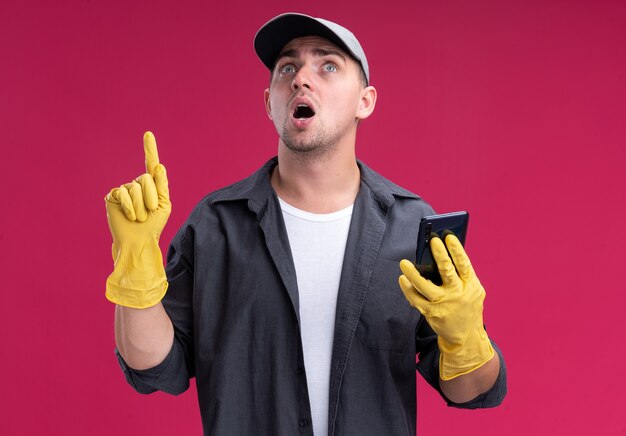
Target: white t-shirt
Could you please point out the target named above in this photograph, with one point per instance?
(318, 244)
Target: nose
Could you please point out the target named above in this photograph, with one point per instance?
(302, 79)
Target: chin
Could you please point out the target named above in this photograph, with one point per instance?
(303, 148)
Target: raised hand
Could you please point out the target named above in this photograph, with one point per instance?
(137, 213)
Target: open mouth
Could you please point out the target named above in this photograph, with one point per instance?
(302, 111)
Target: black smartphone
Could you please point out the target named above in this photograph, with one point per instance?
(455, 222)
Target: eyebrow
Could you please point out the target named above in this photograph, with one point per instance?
(317, 51)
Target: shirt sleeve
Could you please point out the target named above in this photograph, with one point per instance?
(168, 376)
(173, 374)
(428, 367)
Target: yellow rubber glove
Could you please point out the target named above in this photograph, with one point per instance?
(137, 213)
(454, 310)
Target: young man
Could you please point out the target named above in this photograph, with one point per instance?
(283, 297)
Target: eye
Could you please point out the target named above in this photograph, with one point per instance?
(330, 67)
(287, 69)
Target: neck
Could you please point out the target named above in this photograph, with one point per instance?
(320, 184)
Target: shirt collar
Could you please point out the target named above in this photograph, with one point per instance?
(257, 188)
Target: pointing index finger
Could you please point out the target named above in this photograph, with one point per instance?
(150, 150)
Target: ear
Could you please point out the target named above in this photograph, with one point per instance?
(367, 102)
(268, 106)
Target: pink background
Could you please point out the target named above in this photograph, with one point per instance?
(514, 110)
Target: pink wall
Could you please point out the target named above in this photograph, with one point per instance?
(513, 110)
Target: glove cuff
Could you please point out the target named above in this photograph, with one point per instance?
(135, 298)
(456, 360)
(137, 280)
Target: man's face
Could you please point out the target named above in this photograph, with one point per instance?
(316, 96)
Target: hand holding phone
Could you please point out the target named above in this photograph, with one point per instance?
(454, 306)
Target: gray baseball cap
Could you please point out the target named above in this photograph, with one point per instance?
(277, 32)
